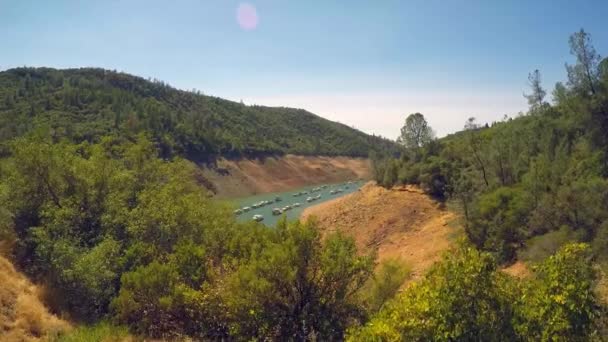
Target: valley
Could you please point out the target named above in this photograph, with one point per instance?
(132, 209)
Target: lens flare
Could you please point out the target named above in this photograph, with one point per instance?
(247, 16)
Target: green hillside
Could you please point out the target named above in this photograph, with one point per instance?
(527, 185)
(85, 104)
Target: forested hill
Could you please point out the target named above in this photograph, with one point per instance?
(529, 184)
(85, 104)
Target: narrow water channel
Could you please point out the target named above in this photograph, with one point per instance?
(292, 198)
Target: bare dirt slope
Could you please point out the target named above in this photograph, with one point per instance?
(401, 223)
(23, 317)
(519, 270)
(238, 178)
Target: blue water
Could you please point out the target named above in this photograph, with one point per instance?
(287, 198)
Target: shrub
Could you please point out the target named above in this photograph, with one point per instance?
(388, 278)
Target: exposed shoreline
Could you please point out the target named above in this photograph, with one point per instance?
(249, 177)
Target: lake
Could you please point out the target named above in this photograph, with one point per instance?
(287, 198)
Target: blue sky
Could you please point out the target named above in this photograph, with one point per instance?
(364, 63)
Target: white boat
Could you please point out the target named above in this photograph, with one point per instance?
(277, 211)
(246, 209)
(258, 217)
(295, 205)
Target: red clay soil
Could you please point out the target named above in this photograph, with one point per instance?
(276, 174)
(401, 223)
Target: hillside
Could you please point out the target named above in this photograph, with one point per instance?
(400, 223)
(530, 184)
(85, 104)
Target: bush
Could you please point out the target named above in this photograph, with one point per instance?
(560, 303)
(387, 280)
(146, 301)
(100, 332)
(298, 288)
(459, 299)
(464, 298)
(498, 221)
(541, 247)
(432, 178)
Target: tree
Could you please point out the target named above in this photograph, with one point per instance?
(390, 173)
(298, 287)
(416, 132)
(475, 145)
(498, 221)
(389, 277)
(560, 303)
(584, 75)
(535, 99)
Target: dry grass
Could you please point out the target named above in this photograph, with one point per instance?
(519, 270)
(602, 283)
(402, 223)
(23, 317)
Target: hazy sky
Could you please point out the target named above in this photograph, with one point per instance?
(364, 63)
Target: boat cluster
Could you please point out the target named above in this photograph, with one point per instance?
(279, 211)
(302, 193)
(256, 205)
(313, 198)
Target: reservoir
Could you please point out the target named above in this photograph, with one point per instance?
(324, 192)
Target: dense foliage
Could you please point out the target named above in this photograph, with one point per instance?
(464, 298)
(115, 231)
(85, 104)
(527, 177)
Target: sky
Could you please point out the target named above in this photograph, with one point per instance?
(367, 64)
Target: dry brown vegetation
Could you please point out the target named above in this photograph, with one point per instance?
(237, 178)
(519, 270)
(400, 223)
(23, 317)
